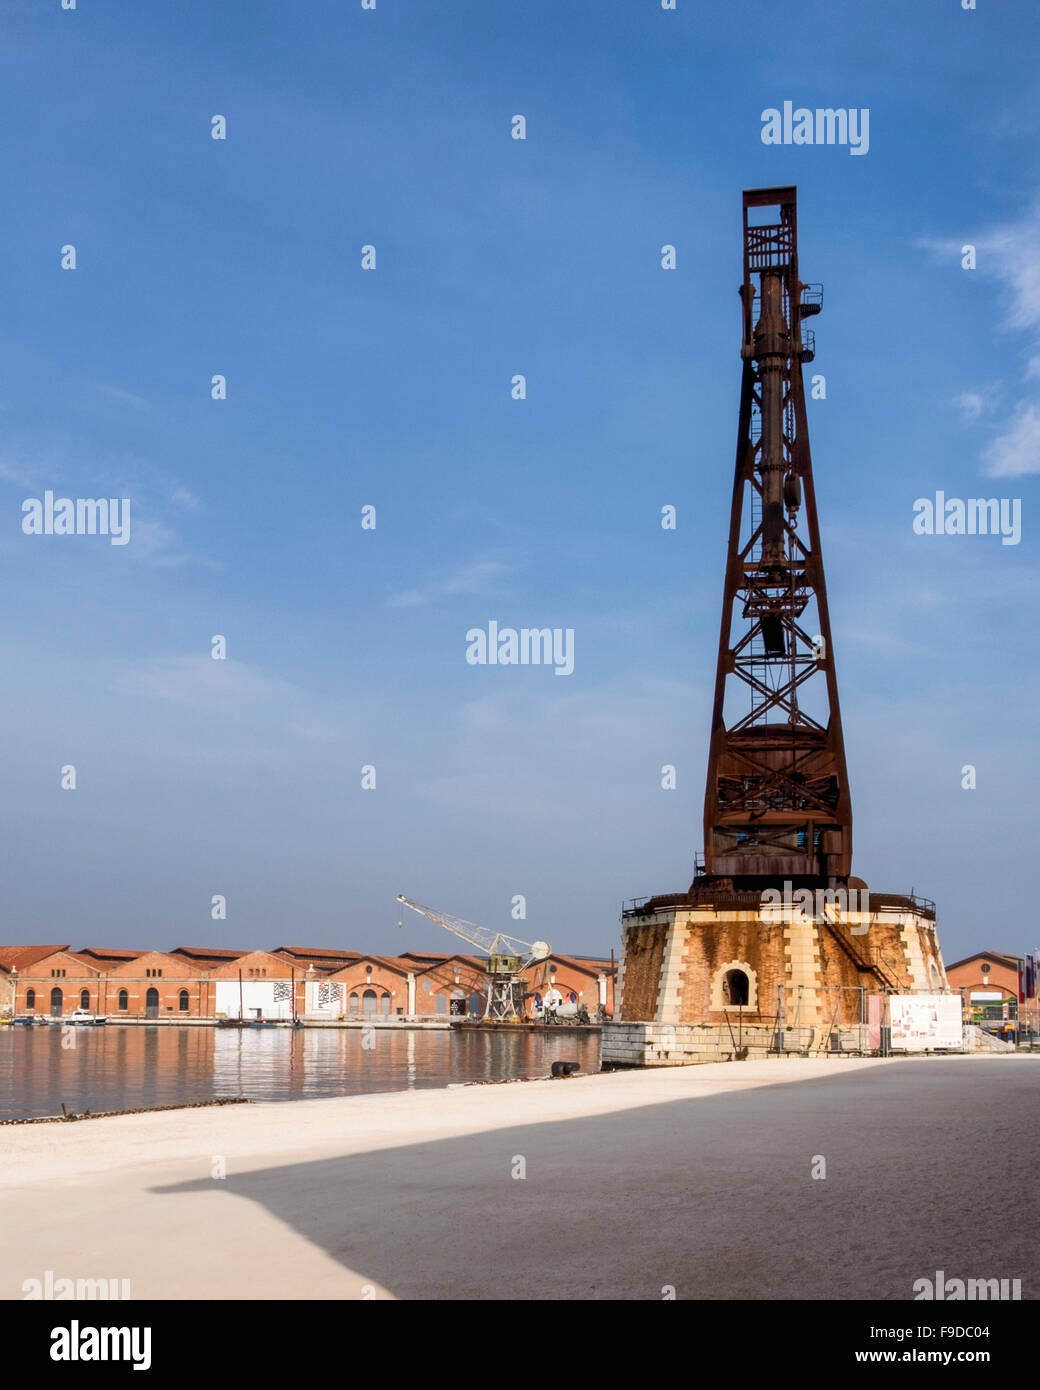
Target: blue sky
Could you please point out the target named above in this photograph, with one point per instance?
(392, 388)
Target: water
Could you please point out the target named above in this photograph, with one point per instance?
(126, 1068)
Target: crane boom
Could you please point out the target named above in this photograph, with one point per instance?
(492, 942)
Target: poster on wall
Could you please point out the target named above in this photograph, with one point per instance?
(253, 999)
(921, 1021)
(325, 998)
(875, 1013)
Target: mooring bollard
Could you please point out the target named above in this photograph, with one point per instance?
(565, 1068)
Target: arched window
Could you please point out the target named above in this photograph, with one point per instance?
(735, 988)
(442, 1004)
(734, 985)
(84, 998)
(368, 1001)
(353, 1002)
(55, 1002)
(151, 1003)
(384, 1004)
(124, 999)
(30, 999)
(183, 1001)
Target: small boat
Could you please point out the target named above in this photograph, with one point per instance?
(84, 1016)
(234, 1023)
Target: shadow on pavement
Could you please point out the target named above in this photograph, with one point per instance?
(714, 1196)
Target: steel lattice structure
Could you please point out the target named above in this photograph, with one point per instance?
(777, 798)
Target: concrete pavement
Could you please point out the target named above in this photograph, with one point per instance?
(617, 1186)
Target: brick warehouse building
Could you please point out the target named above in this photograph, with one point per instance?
(995, 985)
(580, 979)
(197, 983)
(137, 984)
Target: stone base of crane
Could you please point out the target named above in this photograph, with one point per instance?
(717, 974)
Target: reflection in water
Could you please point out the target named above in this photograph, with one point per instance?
(127, 1068)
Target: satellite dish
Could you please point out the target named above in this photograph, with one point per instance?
(540, 949)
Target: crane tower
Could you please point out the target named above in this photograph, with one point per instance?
(774, 930)
(777, 796)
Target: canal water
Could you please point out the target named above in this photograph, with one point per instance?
(116, 1068)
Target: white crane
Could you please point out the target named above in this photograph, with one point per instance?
(507, 956)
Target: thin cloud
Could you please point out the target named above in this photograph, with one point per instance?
(1010, 254)
(1016, 452)
(121, 397)
(202, 683)
(477, 577)
(19, 475)
(973, 405)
